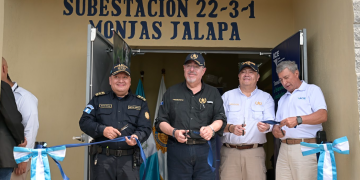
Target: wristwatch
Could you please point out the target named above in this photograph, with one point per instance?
(213, 134)
(299, 120)
(173, 134)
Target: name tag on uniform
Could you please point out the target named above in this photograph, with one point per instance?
(105, 105)
(134, 107)
(210, 102)
(233, 104)
(178, 99)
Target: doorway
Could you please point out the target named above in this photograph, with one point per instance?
(222, 72)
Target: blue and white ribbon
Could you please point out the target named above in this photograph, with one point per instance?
(210, 158)
(326, 164)
(271, 122)
(40, 169)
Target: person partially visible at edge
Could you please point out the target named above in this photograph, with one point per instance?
(27, 105)
(11, 129)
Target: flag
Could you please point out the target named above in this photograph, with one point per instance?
(161, 138)
(140, 89)
(152, 162)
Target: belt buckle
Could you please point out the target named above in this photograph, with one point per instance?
(237, 146)
(188, 141)
(118, 153)
(286, 141)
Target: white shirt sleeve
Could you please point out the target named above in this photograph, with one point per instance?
(317, 100)
(269, 112)
(29, 111)
(278, 117)
(225, 108)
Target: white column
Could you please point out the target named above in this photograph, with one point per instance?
(356, 7)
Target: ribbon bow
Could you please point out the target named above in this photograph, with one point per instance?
(40, 166)
(326, 164)
(40, 169)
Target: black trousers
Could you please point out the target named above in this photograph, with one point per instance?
(189, 162)
(115, 168)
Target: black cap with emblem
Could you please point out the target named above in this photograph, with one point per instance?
(250, 64)
(120, 68)
(196, 57)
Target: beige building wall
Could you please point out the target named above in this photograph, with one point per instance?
(46, 53)
(331, 62)
(1, 30)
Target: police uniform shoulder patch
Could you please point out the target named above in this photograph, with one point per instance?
(140, 97)
(147, 116)
(100, 93)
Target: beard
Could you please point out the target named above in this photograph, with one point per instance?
(191, 79)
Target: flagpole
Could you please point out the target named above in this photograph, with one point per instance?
(142, 75)
(163, 73)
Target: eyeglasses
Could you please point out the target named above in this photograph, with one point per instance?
(189, 66)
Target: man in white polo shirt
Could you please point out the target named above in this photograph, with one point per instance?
(242, 156)
(301, 110)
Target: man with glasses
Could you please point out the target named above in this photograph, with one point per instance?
(191, 113)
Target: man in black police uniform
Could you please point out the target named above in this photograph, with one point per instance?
(191, 114)
(105, 117)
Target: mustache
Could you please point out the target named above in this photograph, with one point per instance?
(192, 73)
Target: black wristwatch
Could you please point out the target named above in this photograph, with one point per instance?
(173, 134)
(299, 120)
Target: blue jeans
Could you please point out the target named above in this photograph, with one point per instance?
(189, 162)
(5, 173)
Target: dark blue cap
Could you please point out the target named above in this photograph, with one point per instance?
(120, 68)
(197, 58)
(250, 64)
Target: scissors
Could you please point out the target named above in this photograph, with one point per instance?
(123, 128)
(272, 122)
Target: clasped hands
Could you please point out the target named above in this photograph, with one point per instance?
(113, 133)
(290, 122)
(182, 136)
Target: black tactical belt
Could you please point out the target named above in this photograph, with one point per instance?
(195, 141)
(117, 153)
(189, 141)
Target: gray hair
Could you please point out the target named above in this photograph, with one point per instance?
(291, 65)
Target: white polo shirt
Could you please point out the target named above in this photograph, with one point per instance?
(241, 109)
(27, 104)
(305, 100)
